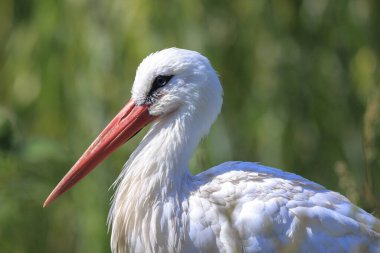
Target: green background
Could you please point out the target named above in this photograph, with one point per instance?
(301, 82)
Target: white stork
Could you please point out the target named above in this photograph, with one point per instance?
(234, 207)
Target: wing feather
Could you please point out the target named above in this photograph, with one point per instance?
(247, 207)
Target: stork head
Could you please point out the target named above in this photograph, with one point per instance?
(170, 82)
(174, 79)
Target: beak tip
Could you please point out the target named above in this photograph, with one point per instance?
(46, 203)
(49, 199)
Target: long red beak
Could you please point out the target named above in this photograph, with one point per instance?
(124, 126)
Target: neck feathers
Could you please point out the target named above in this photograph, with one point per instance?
(152, 184)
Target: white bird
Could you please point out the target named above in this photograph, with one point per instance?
(159, 206)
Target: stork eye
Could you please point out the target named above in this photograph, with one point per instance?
(160, 81)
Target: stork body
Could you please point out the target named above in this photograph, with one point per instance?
(159, 206)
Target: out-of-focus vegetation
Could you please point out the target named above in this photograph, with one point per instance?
(301, 81)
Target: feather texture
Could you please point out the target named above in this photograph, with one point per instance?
(159, 206)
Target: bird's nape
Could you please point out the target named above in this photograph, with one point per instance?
(131, 119)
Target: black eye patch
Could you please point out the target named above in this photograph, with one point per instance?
(159, 82)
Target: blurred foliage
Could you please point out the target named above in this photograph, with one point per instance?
(301, 81)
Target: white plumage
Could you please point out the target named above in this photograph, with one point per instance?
(159, 206)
